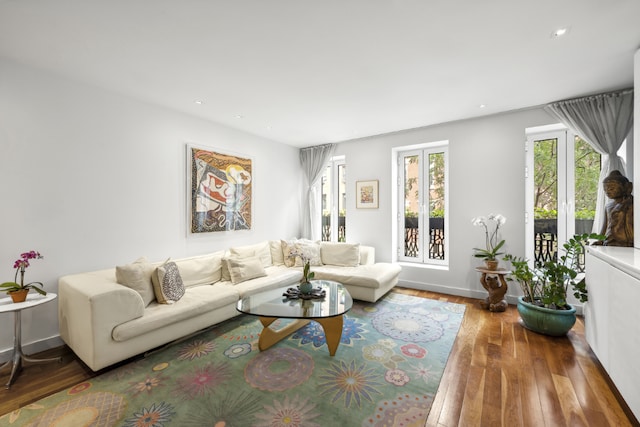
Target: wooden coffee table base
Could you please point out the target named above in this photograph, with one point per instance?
(332, 327)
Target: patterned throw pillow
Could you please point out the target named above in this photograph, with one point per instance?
(287, 249)
(311, 252)
(167, 283)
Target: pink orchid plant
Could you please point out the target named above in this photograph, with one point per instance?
(21, 265)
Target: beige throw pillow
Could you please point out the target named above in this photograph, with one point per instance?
(261, 250)
(342, 254)
(137, 276)
(167, 283)
(225, 274)
(276, 252)
(242, 269)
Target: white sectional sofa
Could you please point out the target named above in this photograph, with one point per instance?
(111, 315)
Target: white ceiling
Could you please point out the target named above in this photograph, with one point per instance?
(306, 72)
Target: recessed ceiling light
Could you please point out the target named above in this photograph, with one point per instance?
(239, 116)
(559, 32)
(199, 102)
(482, 106)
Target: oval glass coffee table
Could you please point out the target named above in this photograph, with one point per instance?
(272, 305)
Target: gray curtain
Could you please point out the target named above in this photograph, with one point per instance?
(604, 121)
(313, 161)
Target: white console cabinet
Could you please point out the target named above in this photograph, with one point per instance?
(612, 316)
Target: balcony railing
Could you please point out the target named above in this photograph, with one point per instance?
(436, 238)
(546, 238)
(326, 229)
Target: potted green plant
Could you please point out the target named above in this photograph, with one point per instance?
(19, 291)
(543, 306)
(492, 246)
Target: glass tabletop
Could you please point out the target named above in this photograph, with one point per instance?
(272, 303)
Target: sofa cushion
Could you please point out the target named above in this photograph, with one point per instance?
(200, 270)
(167, 283)
(196, 301)
(277, 277)
(342, 254)
(276, 252)
(137, 276)
(368, 276)
(242, 269)
(261, 250)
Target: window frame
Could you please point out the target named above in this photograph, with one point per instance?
(333, 165)
(423, 151)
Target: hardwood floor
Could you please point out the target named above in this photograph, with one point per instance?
(498, 374)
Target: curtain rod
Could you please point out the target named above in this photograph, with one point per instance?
(600, 95)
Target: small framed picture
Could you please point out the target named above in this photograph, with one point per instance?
(367, 194)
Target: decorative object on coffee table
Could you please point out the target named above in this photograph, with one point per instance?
(18, 291)
(295, 293)
(305, 286)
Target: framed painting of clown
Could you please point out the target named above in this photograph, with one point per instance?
(219, 191)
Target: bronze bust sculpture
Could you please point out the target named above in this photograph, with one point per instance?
(618, 221)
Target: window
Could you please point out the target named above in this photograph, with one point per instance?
(422, 203)
(562, 181)
(334, 206)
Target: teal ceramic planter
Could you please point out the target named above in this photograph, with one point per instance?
(305, 287)
(545, 320)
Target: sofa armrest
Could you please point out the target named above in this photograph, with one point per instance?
(90, 305)
(367, 255)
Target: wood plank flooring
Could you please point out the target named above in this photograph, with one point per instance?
(498, 374)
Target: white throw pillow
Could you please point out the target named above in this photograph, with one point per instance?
(167, 283)
(225, 274)
(276, 252)
(242, 269)
(261, 250)
(137, 276)
(342, 254)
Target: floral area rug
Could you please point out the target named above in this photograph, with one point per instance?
(385, 373)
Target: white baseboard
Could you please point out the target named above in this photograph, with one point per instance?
(511, 299)
(33, 347)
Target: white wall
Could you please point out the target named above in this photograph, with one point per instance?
(92, 179)
(636, 153)
(486, 160)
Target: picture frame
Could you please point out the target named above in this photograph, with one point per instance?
(219, 190)
(367, 194)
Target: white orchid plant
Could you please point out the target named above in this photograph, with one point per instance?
(491, 224)
(307, 274)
